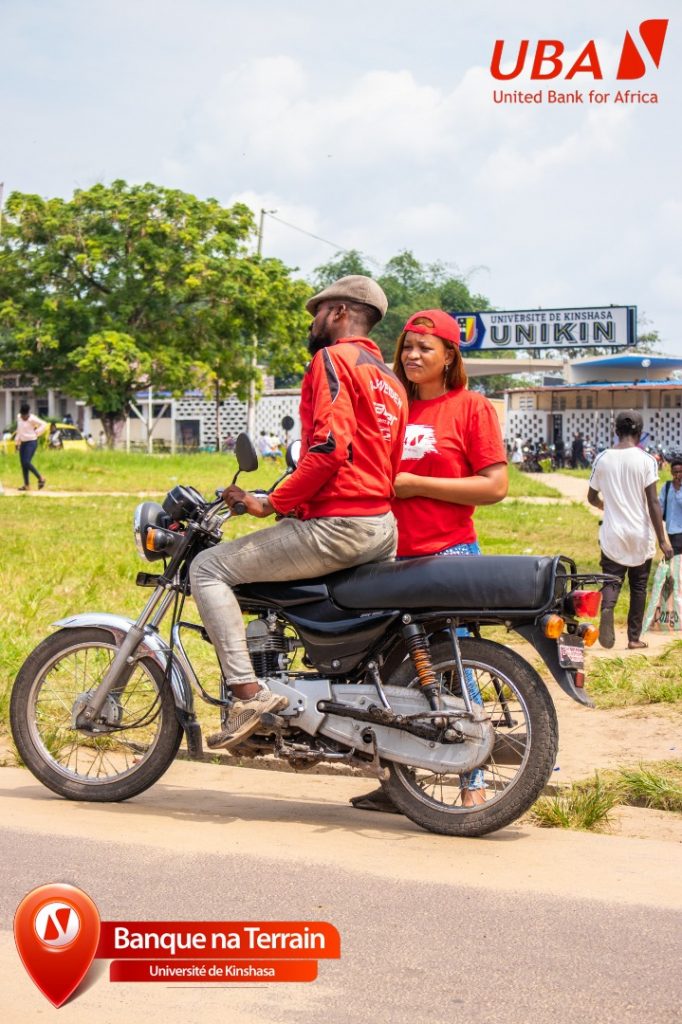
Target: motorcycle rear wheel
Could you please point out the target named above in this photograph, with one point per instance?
(521, 709)
(79, 765)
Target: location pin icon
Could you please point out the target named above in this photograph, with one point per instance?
(56, 931)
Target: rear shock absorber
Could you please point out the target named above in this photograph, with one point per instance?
(420, 652)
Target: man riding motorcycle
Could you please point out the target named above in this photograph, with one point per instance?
(353, 413)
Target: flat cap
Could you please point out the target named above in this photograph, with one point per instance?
(354, 288)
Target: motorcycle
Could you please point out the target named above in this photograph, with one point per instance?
(371, 659)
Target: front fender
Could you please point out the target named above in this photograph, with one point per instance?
(547, 650)
(152, 646)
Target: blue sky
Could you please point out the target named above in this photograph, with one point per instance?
(370, 124)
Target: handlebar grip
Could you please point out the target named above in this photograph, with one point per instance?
(239, 508)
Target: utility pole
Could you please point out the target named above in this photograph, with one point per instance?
(251, 403)
(2, 198)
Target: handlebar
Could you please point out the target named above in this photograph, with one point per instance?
(238, 509)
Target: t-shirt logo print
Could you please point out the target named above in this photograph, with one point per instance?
(419, 441)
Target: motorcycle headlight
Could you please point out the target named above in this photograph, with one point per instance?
(149, 519)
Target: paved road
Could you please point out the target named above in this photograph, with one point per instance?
(525, 925)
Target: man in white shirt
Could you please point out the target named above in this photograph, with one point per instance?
(626, 477)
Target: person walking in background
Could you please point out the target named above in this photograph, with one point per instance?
(453, 460)
(578, 452)
(626, 477)
(670, 500)
(559, 452)
(29, 429)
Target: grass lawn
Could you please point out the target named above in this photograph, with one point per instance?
(584, 474)
(102, 471)
(62, 556)
(529, 485)
(587, 805)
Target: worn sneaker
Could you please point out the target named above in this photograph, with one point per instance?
(245, 716)
(607, 636)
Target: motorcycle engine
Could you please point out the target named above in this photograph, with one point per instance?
(267, 646)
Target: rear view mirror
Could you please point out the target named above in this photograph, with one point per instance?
(293, 454)
(247, 458)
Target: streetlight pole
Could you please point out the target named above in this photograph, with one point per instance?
(251, 403)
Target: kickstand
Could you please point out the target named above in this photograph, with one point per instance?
(375, 765)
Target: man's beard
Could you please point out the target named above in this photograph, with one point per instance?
(316, 342)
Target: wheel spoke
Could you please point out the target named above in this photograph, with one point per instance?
(504, 706)
(83, 756)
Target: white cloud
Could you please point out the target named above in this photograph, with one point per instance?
(383, 141)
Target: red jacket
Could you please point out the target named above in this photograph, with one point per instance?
(353, 415)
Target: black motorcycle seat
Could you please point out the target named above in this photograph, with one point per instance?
(494, 583)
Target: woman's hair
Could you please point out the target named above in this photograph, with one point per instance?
(24, 408)
(456, 376)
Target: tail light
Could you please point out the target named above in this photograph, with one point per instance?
(584, 604)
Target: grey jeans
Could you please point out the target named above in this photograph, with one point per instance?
(292, 549)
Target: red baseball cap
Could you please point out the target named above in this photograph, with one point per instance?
(444, 327)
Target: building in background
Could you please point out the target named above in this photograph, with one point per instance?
(188, 423)
(593, 393)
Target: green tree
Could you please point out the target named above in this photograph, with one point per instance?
(108, 371)
(152, 272)
(342, 265)
(409, 286)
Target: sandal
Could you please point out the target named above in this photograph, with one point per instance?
(472, 797)
(41, 483)
(22, 488)
(637, 645)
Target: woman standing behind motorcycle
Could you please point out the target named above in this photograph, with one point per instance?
(454, 459)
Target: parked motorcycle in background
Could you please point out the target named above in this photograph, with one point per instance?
(369, 659)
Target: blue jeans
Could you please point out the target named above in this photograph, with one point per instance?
(474, 779)
(27, 450)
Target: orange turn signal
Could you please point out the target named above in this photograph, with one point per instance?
(162, 541)
(589, 633)
(156, 540)
(553, 626)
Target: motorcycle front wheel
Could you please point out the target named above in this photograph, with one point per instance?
(516, 701)
(118, 762)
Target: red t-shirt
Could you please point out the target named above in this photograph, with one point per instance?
(453, 436)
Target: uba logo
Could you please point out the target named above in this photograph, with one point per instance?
(547, 62)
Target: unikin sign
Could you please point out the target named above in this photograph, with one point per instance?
(578, 327)
(547, 63)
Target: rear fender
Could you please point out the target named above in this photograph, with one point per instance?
(152, 646)
(547, 649)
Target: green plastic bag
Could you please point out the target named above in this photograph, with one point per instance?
(664, 610)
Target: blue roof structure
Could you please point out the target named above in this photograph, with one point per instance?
(623, 385)
(632, 359)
